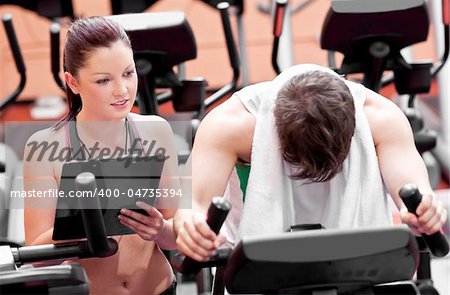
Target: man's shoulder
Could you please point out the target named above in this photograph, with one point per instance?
(255, 88)
(229, 124)
(380, 108)
(253, 94)
(384, 116)
(232, 113)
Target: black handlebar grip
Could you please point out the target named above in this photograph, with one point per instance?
(280, 9)
(15, 48)
(94, 225)
(436, 242)
(217, 213)
(54, 47)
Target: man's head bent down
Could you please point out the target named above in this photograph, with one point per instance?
(315, 121)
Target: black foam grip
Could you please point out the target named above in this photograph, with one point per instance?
(436, 242)
(217, 213)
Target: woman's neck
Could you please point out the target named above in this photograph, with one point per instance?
(112, 134)
(85, 115)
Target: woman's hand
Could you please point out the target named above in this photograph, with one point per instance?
(150, 227)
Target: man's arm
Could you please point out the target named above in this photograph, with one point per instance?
(400, 163)
(224, 136)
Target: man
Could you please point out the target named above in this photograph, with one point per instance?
(322, 150)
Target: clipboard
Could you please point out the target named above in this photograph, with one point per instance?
(118, 182)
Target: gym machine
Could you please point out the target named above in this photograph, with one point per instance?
(58, 279)
(379, 260)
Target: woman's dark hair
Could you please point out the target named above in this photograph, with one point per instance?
(84, 36)
(315, 121)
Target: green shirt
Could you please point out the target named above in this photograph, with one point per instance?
(243, 172)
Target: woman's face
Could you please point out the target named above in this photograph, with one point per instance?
(107, 83)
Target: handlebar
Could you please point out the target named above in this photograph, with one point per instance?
(18, 59)
(97, 244)
(232, 56)
(31, 254)
(436, 242)
(217, 213)
(280, 10)
(94, 226)
(55, 30)
(446, 12)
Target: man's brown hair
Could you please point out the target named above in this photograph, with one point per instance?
(315, 121)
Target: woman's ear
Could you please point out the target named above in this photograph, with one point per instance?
(71, 82)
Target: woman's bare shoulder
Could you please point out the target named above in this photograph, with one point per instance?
(48, 135)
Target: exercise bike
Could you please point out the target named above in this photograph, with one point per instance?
(58, 279)
(335, 261)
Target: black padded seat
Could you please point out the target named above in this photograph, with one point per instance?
(168, 33)
(351, 26)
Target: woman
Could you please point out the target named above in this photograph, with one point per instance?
(101, 85)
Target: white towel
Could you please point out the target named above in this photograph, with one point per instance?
(356, 196)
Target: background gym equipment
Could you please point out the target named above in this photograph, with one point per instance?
(155, 61)
(126, 6)
(55, 55)
(61, 279)
(436, 112)
(283, 45)
(370, 49)
(278, 19)
(18, 59)
(237, 8)
(51, 9)
(8, 159)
